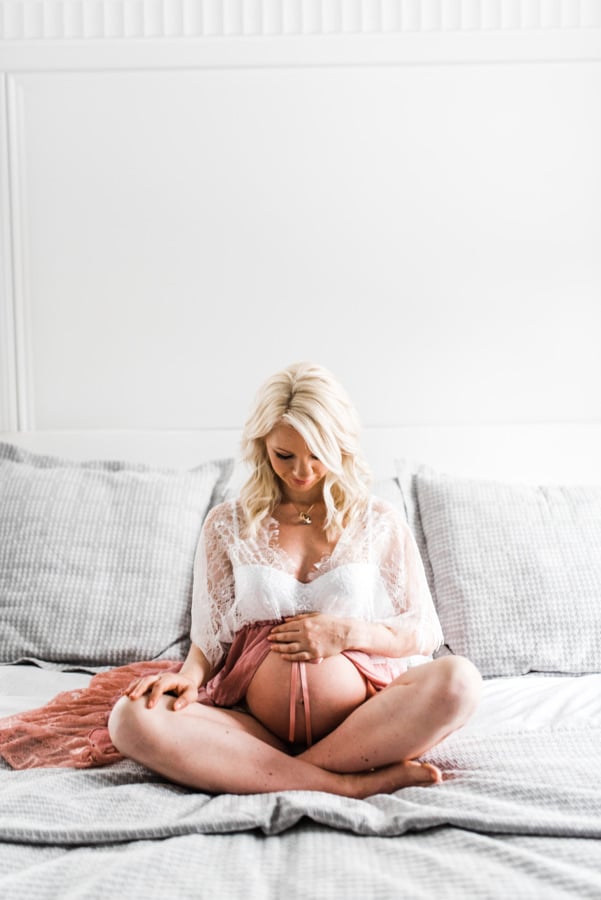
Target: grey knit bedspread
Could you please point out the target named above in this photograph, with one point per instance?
(530, 783)
(517, 813)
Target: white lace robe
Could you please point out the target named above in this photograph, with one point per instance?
(374, 573)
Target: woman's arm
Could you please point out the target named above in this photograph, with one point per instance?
(193, 675)
(196, 667)
(317, 635)
(395, 638)
(213, 590)
(213, 587)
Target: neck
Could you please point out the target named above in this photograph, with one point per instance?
(302, 500)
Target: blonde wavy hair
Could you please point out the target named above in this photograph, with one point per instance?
(307, 397)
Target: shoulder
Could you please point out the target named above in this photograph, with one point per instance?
(388, 524)
(222, 517)
(384, 511)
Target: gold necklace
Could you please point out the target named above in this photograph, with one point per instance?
(304, 516)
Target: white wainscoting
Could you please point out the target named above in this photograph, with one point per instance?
(93, 19)
(195, 194)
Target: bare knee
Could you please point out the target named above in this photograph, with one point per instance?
(128, 724)
(457, 687)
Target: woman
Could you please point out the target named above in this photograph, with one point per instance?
(309, 598)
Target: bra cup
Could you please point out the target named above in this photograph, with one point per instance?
(352, 589)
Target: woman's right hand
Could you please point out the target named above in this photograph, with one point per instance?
(157, 685)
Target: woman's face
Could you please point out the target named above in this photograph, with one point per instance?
(293, 463)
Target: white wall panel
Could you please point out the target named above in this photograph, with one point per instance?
(193, 194)
(430, 233)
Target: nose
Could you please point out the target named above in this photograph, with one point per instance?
(303, 469)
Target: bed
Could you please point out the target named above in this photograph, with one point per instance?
(416, 187)
(511, 543)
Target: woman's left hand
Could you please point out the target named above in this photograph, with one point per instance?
(309, 637)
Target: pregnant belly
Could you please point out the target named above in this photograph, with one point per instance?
(335, 689)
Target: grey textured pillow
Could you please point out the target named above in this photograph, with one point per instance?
(96, 558)
(388, 489)
(517, 573)
(406, 474)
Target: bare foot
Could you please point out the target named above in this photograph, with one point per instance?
(391, 778)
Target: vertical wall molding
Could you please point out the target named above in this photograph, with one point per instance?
(8, 374)
(22, 359)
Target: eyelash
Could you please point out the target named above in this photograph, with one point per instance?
(283, 456)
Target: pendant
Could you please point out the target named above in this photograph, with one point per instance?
(305, 518)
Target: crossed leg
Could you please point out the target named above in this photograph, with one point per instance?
(414, 713)
(372, 751)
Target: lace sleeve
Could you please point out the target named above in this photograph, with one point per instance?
(403, 574)
(213, 589)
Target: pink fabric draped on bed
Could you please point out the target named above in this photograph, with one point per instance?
(71, 730)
